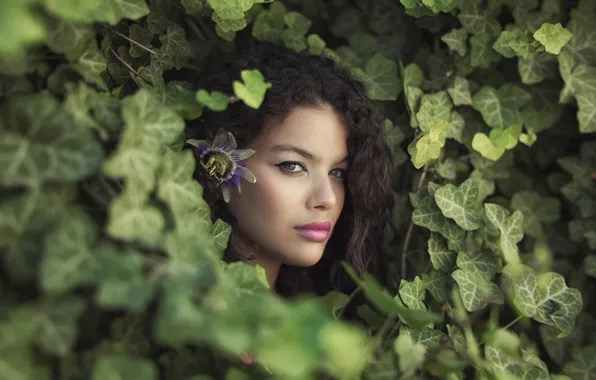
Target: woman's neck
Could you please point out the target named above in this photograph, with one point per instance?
(249, 253)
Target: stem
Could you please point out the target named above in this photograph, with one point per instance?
(404, 252)
(350, 298)
(513, 322)
(381, 333)
(124, 62)
(131, 40)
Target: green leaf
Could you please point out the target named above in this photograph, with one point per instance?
(19, 27)
(544, 297)
(91, 64)
(456, 39)
(149, 127)
(486, 147)
(475, 290)
(586, 114)
(482, 54)
(316, 44)
(347, 347)
(461, 204)
(440, 256)
(590, 265)
(68, 38)
(536, 210)
(537, 68)
(553, 37)
(412, 293)
(110, 11)
(500, 108)
(427, 214)
(477, 20)
(511, 228)
(583, 363)
(58, 326)
(459, 91)
(429, 338)
(122, 282)
(436, 283)
(410, 355)
(582, 80)
(41, 142)
(216, 101)
(141, 36)
(252, 91)
(380, 77)
(121, 366)
(482, 261)
(132, 219)
(69, 260)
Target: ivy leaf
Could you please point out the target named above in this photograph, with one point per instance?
(121, 366)
(316, 44)
(461, 204)
(586, 114)
(537, 68)
(142, 36)
(427, 214)
(441, 257)
(477, 20)
(122, 283)
(19, 27)
(482, 54)
(221, 234)
(69, 260)
(475, 290)
(482, 261)
(583, 363)
(500, 108)
(68, 38)
(412, 293)
(590, 265)
(41, 142)
(252, 91)
(510, 227)
(536, 210)
(381, 78)
(216, 101)
(544, 297)
(456, 39)
(482, 144)
(149, 126)
(428, 337)
(553, 37)
(58, 326)
(460, 91)
(582, 80)
(131, 219)
(410, 355)
(436, 283)
(92, 64)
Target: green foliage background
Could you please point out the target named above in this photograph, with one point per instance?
(110, 265)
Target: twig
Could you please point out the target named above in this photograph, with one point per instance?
(411, 226)
(131, 40)
(124, 62)
(512, 322)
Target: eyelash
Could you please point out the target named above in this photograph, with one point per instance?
(281, 165)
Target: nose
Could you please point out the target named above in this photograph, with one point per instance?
(324, 193)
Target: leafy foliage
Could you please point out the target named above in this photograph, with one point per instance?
(110, 265)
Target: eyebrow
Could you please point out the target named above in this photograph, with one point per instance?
(302, 152)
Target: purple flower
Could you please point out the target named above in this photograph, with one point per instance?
(223, 163)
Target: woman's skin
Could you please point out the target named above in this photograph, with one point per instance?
(300, 165)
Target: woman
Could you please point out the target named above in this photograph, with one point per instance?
(319, 162)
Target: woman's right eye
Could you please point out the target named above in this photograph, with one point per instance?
(291, 167)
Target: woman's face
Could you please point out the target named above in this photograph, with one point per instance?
(300, 165)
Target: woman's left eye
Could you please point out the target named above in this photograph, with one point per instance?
(340, 173)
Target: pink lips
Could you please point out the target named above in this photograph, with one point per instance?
(317, 231)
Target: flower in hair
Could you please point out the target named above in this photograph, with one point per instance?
(221, 162)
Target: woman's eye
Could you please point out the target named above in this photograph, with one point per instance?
(340, 173)
(291, 166)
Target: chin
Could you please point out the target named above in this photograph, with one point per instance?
(305, 260)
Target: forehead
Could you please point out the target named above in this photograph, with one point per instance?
(318, 129)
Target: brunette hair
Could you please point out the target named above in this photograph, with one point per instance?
(303, 79)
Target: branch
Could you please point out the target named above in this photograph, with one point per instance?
(404, 252)
(131, 40)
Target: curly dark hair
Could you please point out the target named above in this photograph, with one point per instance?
(303, 79)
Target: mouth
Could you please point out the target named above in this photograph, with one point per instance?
(317, 231)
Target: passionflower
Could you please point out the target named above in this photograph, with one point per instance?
(222, 163)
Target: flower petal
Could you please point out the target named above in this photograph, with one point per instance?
(243, 154)
(226, 191)
(197, 143)
(249, 176)
(225, 139)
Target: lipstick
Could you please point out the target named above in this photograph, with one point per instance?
(316, 231)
